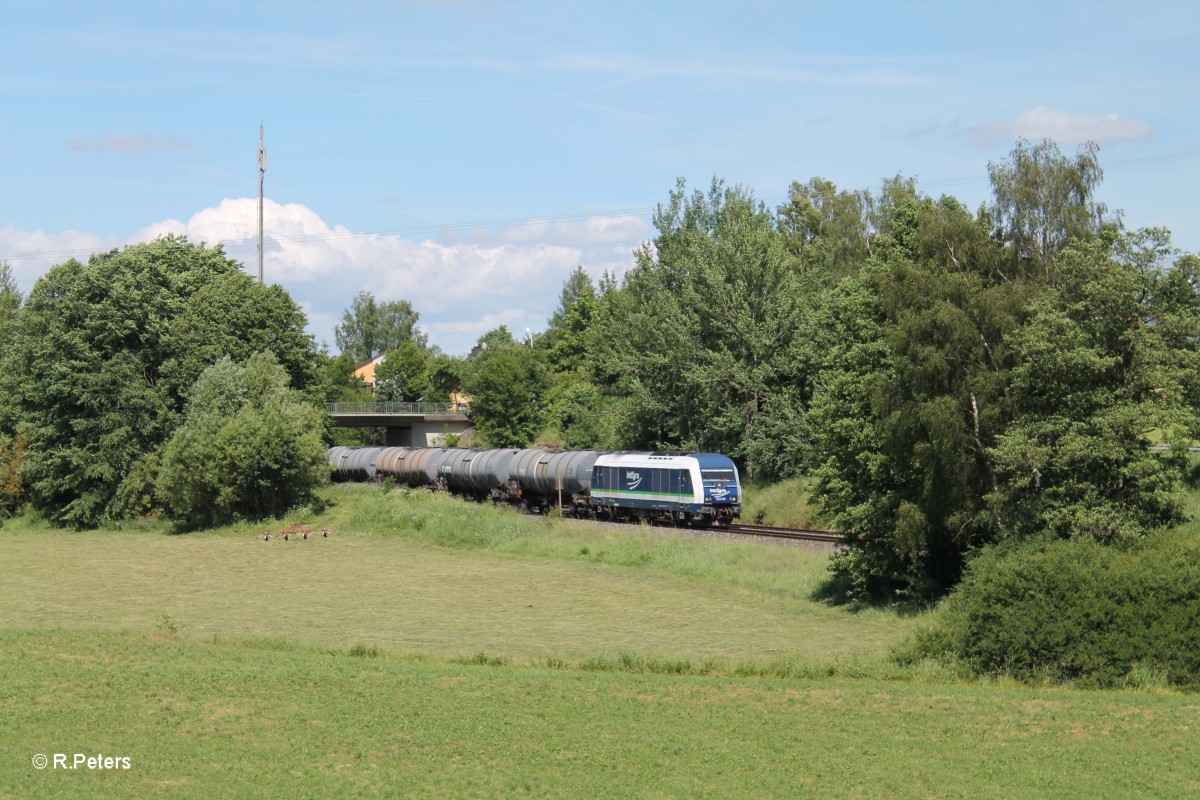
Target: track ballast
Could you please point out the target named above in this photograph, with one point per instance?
(799, 534)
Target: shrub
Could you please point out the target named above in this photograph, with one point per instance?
(248, 446)
(1076, 611)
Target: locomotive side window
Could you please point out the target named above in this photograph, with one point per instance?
(611, 482)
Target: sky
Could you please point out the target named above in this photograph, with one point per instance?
(467, 156)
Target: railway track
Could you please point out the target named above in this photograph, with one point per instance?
(786, 533)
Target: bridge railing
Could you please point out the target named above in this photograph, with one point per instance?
(397, 408)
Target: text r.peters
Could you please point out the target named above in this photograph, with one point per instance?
(98, 761)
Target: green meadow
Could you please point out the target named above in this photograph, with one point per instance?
(435, 648)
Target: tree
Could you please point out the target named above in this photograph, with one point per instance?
(912, 394)
(1173, 303)
(10, 306)
(566, 338)
(1043, 199)
(404, 373)
(495, 338)
(249, 446)
(369, 328)
(576, 413)
(826, 230)
(235, 316)
(1093, 382)
(10, 301)
(506, 382)
(84, 363)
(700, 339)
(336, 381)
(960, 407)
(445, 377)
(12, 455)
(90, 359)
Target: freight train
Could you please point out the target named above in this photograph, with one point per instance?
(700, 489)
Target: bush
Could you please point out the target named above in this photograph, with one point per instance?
(249, 446)
(1074, 611)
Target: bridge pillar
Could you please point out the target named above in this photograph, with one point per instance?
(399, 437)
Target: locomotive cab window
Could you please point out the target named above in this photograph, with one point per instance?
(717, 474)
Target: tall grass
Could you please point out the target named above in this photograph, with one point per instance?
(786, 504)
(784, 571)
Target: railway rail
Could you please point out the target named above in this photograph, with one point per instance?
(786, 533)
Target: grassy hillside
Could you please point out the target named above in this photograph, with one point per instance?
(785, 504)
(431, 647)
(411, 572)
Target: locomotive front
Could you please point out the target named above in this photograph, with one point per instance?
(722, 489)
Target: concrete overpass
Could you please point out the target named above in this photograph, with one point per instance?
(407, 424)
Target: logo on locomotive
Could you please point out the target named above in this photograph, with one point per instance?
(634, 479)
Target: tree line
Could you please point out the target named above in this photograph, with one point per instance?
(951, 378)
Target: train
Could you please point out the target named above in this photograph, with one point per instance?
(695, 489)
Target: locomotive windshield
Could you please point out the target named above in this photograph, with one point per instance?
(716, 474)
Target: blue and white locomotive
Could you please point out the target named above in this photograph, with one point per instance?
(697, 488)
(692, 489)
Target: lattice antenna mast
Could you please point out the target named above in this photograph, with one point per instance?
(262, 168)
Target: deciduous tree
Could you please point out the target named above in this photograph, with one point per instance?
(85, 362)
(1043, 199)
(404, 373)
(1093, 381)
(249, 446)
(506, 382)
(10, 301)
(236, 316)
(91, 357)
(369, 328)
(699, 339)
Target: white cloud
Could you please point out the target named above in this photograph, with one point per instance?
(1060, 126)
(463, 285)
(470, 330)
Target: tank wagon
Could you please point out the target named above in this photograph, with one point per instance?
(689, 488)
(354, 463)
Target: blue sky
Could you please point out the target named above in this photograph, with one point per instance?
(468, 155)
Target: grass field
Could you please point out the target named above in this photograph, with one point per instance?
(428, 574)
(203, 719)
(432, 648)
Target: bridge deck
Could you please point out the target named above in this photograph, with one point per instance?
(417, 418)
(452, 410)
